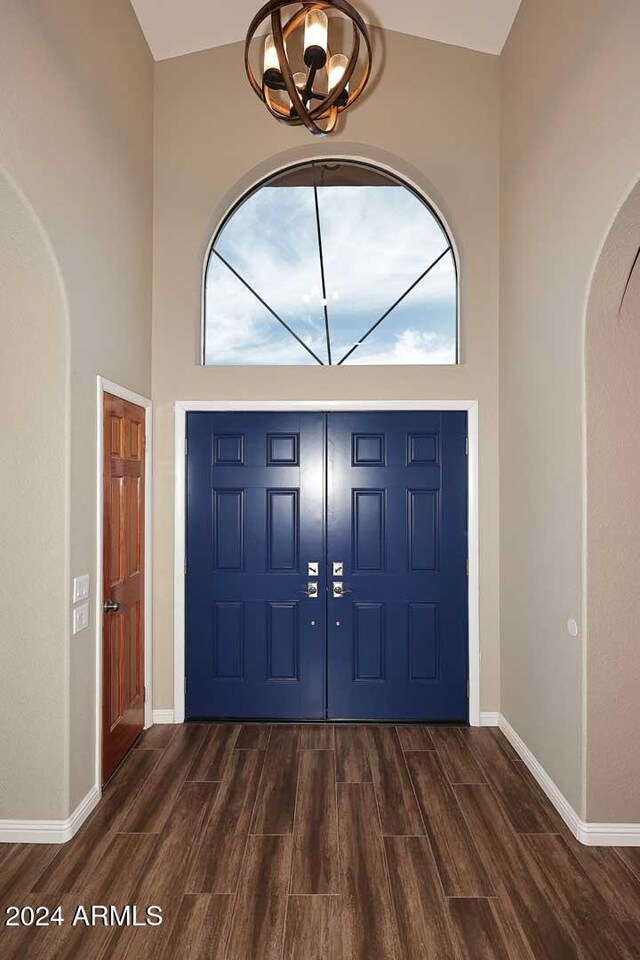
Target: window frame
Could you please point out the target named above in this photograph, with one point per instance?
(264, 181)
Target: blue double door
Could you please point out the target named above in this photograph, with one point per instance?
(327, 566)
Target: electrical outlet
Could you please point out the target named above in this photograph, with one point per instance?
(80, 618)
(81, 588)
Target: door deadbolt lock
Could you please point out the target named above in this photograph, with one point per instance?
(338, 568)
(313, 568)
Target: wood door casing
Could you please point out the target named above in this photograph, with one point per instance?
(123, 580)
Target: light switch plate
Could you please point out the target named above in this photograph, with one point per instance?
(80, 618)
(81, 588)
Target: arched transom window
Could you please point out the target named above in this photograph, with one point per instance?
(331, 262)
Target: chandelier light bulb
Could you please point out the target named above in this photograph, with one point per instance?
(337, 68)
(270, 54)
(316, 30)
(272, 76)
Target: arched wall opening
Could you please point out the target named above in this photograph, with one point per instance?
(612, 367)
(34, 516)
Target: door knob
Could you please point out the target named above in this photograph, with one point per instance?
(311, 590)
(111, 606)
(339, 589)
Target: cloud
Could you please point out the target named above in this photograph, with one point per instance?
(409, 347)
(376, 242)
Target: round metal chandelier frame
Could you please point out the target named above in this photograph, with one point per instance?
(339, 97)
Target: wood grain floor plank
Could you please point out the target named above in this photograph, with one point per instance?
(74, 862)
(116, 874)
(633, 930)
(211, 760)
(64, 942)
(177, 847)
(22, 867)
(276, 801)
(523, 807)
(21, 943)
(459, 865)
(220, 847)
(157, 737)
(556, 899)
(352, 756)
(478, 932)
(631, 857)
(415, 737)
(456, 758)
(167, 871)
(555, 818)
(152, 807)
(533, 924)
(399, 813)
(258, 920)
(254, 736)
(367, 920)
(423, 925)
(312, 929)
(581, 908)
(315, 867)
(503, 743)
(611, 876)
(201, 928)
(317, 736)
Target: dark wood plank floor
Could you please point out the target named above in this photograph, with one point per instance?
(315, 842)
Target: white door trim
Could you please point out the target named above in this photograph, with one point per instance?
(182, 407)
(107, 386)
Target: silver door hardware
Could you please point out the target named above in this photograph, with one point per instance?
(311, 589)
(313, 623)
(337, 623)
(338, 568)
(111, 606)
(313, 568)
(339, 589)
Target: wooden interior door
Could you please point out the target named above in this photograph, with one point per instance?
(123, 692)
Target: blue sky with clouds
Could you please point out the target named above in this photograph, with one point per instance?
(377, 240)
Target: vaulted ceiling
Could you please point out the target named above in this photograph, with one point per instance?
(174, 27)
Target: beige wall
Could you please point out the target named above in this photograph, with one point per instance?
(76, 114)
(570, 154)
(33, 515)
(613, 526)
(442, 131)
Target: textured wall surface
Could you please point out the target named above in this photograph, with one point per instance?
(613, 526)
(76, 116)
(445, 137)
(570, 149)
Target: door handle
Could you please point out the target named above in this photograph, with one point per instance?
(339, 589)
(111, 606)
(311, 590)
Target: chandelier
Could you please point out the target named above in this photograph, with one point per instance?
(302, 81)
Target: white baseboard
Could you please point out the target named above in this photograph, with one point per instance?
(163, 716)
(50, 831)
(590, 834)
(489, 719)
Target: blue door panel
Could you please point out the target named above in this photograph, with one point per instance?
(396, 518)
(382, 493)
(255, 517)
